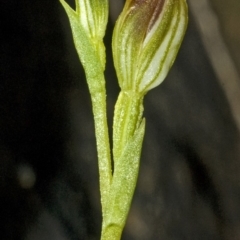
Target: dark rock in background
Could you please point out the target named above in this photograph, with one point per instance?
(189, 182)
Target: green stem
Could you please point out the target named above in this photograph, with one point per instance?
(92, 56)
(102, 138)
(112, 232)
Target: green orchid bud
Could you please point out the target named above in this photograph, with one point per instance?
(88, 23)
(93, 15)
(146, 40)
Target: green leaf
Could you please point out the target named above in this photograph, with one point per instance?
(124, 181)
(127, 118)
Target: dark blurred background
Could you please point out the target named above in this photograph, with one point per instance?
(189, 182)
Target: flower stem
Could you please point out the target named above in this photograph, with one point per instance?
(102, 138)
(112, 232)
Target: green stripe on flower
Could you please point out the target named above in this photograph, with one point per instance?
(93, 14)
